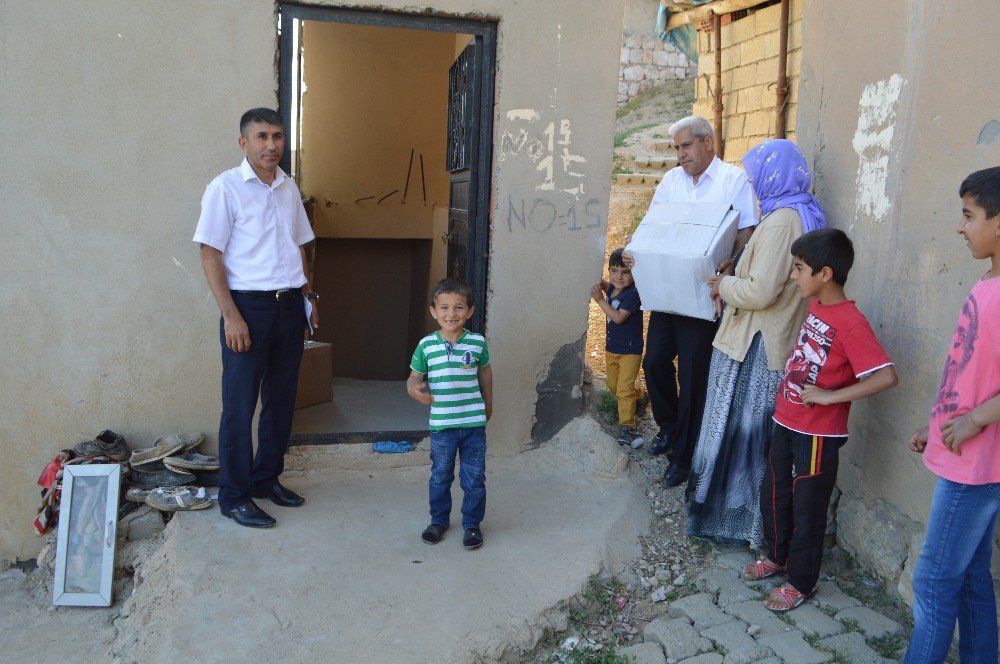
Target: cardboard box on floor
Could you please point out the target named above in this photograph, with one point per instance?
(315, 375)
(677, 247)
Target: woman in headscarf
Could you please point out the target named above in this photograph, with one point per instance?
(763, 314)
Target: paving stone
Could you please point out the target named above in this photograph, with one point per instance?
(700, 610)
(733, 560)
(755, 613)
(739, 647)
(872, 623)
(811, 620)
(852, 647)
(830, 596)
(729, 588)
(677, 637)
(707, 658)
(791, 647)
(643, 653)
(770, 660)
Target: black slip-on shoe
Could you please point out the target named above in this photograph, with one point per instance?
(658, 445)
(280, 495)
(433, 533)
(473, 538)
(674, 476)
(250, 515)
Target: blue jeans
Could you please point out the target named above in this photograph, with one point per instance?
(952, 578)
(469, 444)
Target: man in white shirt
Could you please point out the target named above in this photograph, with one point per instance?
(702, 177)
(251, 231)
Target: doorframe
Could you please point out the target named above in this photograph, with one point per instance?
(484, 32)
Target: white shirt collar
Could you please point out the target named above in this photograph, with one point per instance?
(711, 172)
(246, 170)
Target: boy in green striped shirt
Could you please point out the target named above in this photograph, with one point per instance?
(450, 372)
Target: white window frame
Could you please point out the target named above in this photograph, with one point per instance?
(110, 528)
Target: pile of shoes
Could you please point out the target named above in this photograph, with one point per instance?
(171, 476)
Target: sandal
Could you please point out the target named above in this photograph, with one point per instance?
(789, 596)
(761, 569)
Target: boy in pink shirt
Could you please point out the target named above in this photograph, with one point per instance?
(952, 578)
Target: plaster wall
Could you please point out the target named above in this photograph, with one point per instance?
(897, 105)
(640, 17)
(749, 75)
(119, 118)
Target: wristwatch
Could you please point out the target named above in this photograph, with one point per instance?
(312, 295)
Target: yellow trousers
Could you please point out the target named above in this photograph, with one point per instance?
(622, 372)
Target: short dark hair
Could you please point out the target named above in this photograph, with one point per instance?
(452, 285)
(265, 115)
(984, 188)
(826, 247)
(615, 259)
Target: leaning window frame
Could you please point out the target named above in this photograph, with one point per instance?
(109, 528)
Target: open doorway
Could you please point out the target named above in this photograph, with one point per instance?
(390, 121)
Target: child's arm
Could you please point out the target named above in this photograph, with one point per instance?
(877, 381)
(417, 388)
(486, 388)
(957, 431)
(617, 316)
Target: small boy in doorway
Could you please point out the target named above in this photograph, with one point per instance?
(952, 578)
(450, 372)
(836, 360)
(618, 298)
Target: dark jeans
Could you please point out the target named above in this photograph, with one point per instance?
(270, 370)
(678, 414)
(794, 498)
(469, 444)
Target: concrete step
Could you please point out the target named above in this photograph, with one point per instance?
(666, 145)
(646, 180)
(655, 163)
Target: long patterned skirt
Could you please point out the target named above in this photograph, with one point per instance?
(728, 463)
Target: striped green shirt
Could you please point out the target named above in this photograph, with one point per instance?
(452, 372)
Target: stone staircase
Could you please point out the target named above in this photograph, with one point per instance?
(650, 169)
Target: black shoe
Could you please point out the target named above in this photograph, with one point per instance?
(433, 533)
(658, 445)
(473, 538)
(626, 435)
(279, 495)
(674, 476)
(251, 516)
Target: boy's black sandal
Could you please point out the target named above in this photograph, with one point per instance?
(473, 538)
(433, 533)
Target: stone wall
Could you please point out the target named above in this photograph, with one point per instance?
(749, 77)
(647, 61)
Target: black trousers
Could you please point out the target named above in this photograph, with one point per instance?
(794, 498)
(270, 370)
(678, 396)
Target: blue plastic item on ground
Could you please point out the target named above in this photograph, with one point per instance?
(392, 446)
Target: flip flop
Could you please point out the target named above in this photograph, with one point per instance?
(760, 569)
(789, 596)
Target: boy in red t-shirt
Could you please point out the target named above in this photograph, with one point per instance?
(836, 360)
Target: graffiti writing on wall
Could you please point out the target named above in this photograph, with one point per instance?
(542, 214)
(548, 146)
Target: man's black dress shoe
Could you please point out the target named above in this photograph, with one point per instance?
(674, 476)
(250, 515)
(658, 445)
(279, 495)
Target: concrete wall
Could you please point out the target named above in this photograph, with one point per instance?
(749, 75)
(116, 120)
(640, 17)
(890, 138)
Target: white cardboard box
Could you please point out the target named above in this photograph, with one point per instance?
(677, 247)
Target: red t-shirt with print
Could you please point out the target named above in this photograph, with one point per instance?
(835, 348)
